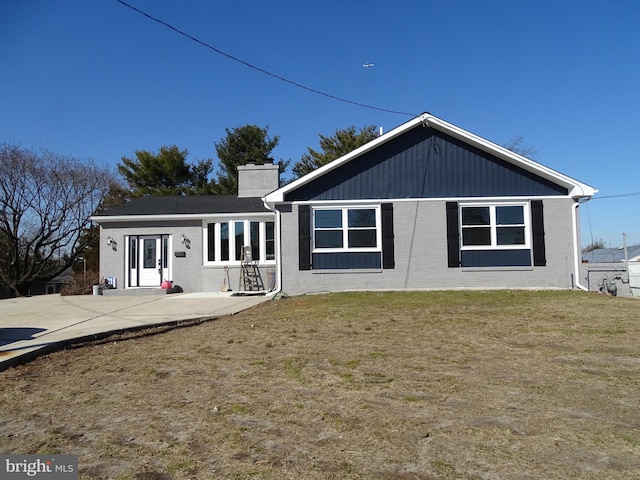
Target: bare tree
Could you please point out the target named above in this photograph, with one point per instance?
(518, 146)
(46, 200)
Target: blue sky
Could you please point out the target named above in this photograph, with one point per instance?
(94, 79)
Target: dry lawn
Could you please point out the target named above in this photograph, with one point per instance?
(402, 385)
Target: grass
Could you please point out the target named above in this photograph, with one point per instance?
(380, 385)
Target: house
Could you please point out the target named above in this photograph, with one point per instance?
(41, 287)
(612, 255)
(613, 270)
(55, 285)
(425, 206)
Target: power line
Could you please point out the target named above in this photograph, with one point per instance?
(261, 70)
(633, 194)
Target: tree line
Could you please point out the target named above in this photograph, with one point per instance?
(167, 172)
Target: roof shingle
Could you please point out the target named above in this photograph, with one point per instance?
(176, 205)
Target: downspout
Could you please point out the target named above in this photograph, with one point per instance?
(278, 286)
(577, 260)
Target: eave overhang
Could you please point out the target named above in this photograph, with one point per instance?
(175, 217)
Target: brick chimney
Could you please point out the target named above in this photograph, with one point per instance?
(257, 180)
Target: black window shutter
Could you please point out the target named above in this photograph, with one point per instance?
(453, 235)
(211, 242)
(304, 237)
(388, 251)
(537, 230)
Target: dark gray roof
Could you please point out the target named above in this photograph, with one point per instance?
(610, 255)
(175, 205)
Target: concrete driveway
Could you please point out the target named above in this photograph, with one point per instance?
(36, 325)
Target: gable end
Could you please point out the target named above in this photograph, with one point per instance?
(425, 163)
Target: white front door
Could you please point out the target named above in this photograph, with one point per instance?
(150, 261)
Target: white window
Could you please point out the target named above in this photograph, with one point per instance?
(346, 229)
(224, 241)
(495, 226)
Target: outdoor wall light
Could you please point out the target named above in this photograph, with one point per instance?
(185, 241)
(112, 243)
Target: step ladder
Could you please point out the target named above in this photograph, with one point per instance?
(250, 279)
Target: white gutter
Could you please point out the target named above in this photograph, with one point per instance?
(577, 249)
(278, 286)
(174, 216)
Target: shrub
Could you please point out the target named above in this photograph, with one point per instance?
(81, 283)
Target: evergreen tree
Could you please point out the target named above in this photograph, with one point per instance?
(165, 173)
(335, 146)
(243, 145)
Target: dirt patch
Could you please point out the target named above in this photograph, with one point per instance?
(410, 385)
